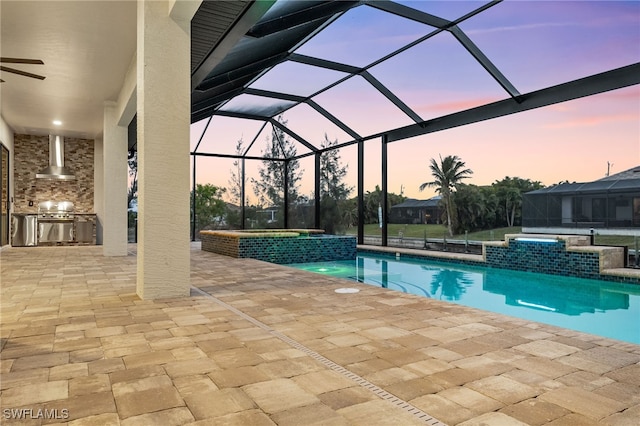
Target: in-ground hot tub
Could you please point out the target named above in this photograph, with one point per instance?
(280, 245)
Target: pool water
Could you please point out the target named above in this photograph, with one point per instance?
(597, 307)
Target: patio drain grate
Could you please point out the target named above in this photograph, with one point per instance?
(381, 393)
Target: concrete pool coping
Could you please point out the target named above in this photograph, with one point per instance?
(263, 233)
(465, 257)
(75, 336)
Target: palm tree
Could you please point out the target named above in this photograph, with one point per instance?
(451, 284)
(447, 176)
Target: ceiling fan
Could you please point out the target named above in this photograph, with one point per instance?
(19, 72)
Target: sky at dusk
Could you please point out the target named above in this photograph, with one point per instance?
(534, 44)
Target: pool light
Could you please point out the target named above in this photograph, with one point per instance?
(535, 306)
(536, 240)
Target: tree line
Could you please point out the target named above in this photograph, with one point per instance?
(468, 207)
(337, 212)
(465, 207)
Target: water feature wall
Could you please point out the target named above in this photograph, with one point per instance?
(280, 246)
(557, 255)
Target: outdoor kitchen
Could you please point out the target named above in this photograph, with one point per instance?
(54, 191)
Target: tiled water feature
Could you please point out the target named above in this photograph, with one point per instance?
(568, 255)
(280, 246)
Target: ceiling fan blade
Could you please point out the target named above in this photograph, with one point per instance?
(22, 61)
(24, 73)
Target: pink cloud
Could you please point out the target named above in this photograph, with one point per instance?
(627, 94)
(454, 106)
(521, 27)
(563, 107)
(593, 121)
(612, 98)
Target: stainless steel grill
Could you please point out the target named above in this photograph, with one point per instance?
(55, 221)
(56, 211)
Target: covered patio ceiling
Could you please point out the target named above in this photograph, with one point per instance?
(289, 62)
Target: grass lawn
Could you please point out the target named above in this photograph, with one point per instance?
(416, 231)
(617, 240)
(438, 231)
(434, 231)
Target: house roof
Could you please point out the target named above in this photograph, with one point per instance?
(632, 173)
(628, 180)
(413, 203)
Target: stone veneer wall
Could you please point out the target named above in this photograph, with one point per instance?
(282, 250)
(5, 179)
(226, 245)
(31, 154)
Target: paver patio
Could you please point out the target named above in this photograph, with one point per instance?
(262, 344)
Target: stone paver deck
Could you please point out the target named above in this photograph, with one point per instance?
(262, 344)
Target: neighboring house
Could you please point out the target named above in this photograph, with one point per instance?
(612, 202)
(417, 211)
(269, 214)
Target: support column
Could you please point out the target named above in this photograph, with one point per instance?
(285, 199)
(385, 193)
(114, 217)
(317, 197)
(194, 186)
(243, 216)
(98, 191)
(163, 94)
(360, 192)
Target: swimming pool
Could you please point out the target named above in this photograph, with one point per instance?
(597, 307)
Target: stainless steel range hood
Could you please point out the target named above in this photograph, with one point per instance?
(56, 168)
